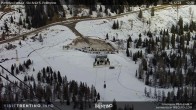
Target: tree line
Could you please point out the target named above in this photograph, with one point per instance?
(171, 64)
(49, 86)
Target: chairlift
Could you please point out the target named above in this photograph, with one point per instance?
(104, 85)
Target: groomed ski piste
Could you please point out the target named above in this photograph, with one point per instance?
(122, 85)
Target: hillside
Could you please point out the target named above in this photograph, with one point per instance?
(146, 55)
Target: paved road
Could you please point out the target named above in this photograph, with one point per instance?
(71, 24)
(2, 15)
(72, 27)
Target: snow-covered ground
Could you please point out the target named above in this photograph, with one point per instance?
(132, 25)
(52, 36)
(13, 27)
(121, 82)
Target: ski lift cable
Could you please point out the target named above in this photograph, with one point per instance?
(45, 62)
(19, 80)
(10, 81)
(24, 84)
(16, 86)
(20, 89)
(17, 77)
(14, 76)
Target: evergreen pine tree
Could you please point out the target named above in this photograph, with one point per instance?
(39, 76)
(106, 11)
(114, 25)
(17, 70)
(25, 78)
(127, 52)
(11, 19)
(114, 107)
(147, 79)
(12, 69)
(144, 63)
(107, 37)
(98, 96)
(20, 21)
(168, 98)
(163, 43)
(6, 27)
(139, 42)
(180, 23)
(173, 29)
(117, 25)
(90, 12)
(145, 91)
(152, 11)
(140, 15)
(100, 9)
(65, 92)
(48, 94)
(114, 39)
(173, 40)
(31, 94)
(59, 78)
(3, 36)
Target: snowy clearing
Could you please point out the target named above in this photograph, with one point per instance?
(121, 82)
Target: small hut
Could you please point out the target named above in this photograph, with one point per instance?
(101, 60)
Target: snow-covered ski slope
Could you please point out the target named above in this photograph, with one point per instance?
(121, 82)
(132, 25)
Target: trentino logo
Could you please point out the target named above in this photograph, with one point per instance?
(99, 105)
